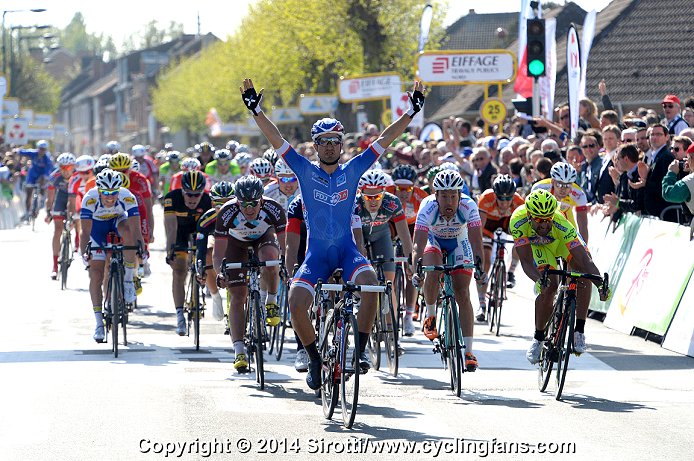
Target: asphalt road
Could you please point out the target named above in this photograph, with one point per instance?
(66, 397)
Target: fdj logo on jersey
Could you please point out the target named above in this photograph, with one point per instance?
(331, 200)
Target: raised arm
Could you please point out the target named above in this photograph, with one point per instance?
(395, 129)
(251, 100)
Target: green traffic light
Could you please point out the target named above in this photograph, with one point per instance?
(536, 68)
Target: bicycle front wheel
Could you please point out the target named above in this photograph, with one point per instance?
(567, 342)
(116, 297)
(284, 321)
(548, 353)
(400, 299)
(454, 346)
(389, 328)
(499, 294)
(65, 251)
(349, 365)
(330, 378)
(374, 344)
(195, 311)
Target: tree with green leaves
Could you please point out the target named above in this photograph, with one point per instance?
(294, 47)
(35, 87)
(153, 34)
(78, 41)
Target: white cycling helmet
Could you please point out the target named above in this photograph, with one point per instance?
(281, 168)
(84, 163)
(113, 147)
(190, 164)
(243, 149)
(65, 159)
(173, 156)
(449, 166)
(109, 180)
(563, 172)
(138, 150)
(373, 178)
(262, 168)
(135, 166)
(42, 144)
(448, 180)
(222, 154)
(243, 159)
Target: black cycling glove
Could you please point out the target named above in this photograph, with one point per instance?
(251, 100)
(416, 102)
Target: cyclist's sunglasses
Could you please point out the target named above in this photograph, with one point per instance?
(109, 193)
(85, 172)
(193, 194)
(375, 197)
(223, 162)
(539, 220)
(67, 167)
(249, 204)
(504, 198)
(404, 188)
(329, 141)
(287, 179)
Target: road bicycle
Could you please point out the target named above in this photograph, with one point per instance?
(338, 345)
(496, 291)
(385, 328)
(65, 256)
(194, 300)
(115, 309)
(38, 199)
(255, 334)
(559, 342)
(450, 343)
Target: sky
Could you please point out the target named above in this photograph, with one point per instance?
(127, 17)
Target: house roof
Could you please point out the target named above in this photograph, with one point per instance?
(642, 50)
(469, 97)
(105, 83)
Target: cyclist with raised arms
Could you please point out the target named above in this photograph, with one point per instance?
(449, 221)
(496, 206)
(108, 209)
(329, 192)
(248, 221)
(542, 234)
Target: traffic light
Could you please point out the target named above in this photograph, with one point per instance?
(536, 47)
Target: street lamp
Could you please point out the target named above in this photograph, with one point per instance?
(4, 55)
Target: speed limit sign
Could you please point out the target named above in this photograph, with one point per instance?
(493, 111)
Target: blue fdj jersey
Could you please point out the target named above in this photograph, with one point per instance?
(40, 165)
(329, 198)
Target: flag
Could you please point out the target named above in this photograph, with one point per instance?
(548, 82)
(586, 43)
(213, 122)
(424, 25)
(573, 66)
(524, 84)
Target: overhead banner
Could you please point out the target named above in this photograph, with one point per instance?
(462, 67)
(573, 65)
(286, 115)
(368, 87)
(587, 35)
(314, 104)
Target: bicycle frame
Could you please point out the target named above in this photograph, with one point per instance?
(496, 291)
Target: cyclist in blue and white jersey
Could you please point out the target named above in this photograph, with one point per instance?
(449, 221)
(41, 167)
(108, 209)
(329, 191)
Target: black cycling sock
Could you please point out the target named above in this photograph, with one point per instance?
(312, 350)
(540, 335)
(363, 340)
(580, 325)
(299, 344)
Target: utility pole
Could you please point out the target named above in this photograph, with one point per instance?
(198, 24)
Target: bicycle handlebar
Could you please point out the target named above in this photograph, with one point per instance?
(249, 264)
(398, 259)
(350, 287)
(576, 275)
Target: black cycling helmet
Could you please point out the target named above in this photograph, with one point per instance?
(248, 188)
(271, 156)
(205, 148)
(222, 191)
(193, 181)
(406, 172)
(504, 186)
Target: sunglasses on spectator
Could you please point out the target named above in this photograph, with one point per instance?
(675, 149)
(249, 204)
(109, 193)
(589, 146)
(404, 188)
(539, 220)
(192, 194)
(329, 141)
(504, 198)
(668, 105)
(373, 198)
(287, 179)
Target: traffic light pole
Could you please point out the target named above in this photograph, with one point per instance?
(536, 98)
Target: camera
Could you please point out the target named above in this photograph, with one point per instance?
(682, 163)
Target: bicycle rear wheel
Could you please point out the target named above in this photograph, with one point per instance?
(116, 296)
(499, 294)
(390, 335)
(64, 262)
(258, 340)
(330, 372)
(349, 363)
(401, 307)
(454, 347)
(548, 353)
(566, 346)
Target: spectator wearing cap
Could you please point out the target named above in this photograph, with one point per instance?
(484, 170)
(674, 121)
(680, 190)
(653, 169)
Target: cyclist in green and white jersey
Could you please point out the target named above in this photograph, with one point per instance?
(223, 168)
(168, 169)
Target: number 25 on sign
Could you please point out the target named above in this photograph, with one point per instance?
(493, 111)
